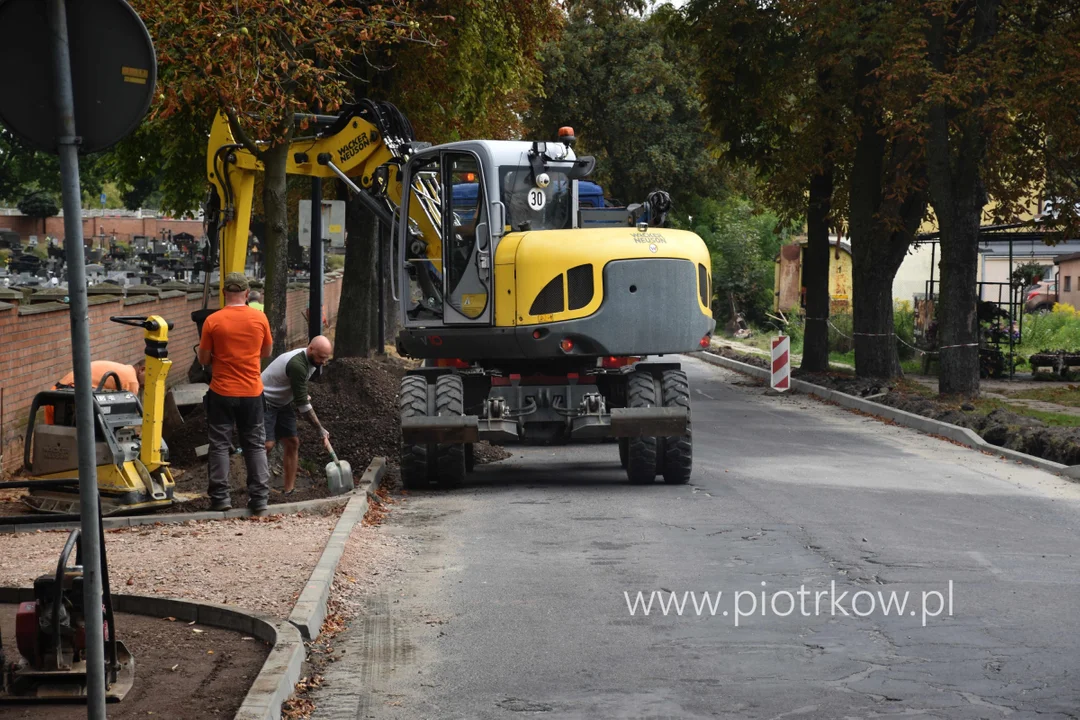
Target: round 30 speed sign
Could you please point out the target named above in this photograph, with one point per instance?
(537, 199)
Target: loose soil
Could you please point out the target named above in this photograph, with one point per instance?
(356, 401)
(997, 425)
(213, 671)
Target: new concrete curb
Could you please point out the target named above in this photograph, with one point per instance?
(310, 609)
(960, 435)
(281, 670)
(113, 523)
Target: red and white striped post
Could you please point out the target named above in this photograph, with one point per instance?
(781, 363)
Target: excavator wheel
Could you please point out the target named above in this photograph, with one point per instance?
(449, 400)
(624, 451)
(470, 458)
(641, 455)
(678, 450)
(417, 461)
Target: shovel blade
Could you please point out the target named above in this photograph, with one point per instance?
(339, 477)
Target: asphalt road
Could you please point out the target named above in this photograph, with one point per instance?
(511, 602)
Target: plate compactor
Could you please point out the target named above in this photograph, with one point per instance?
(50, 639)
(132, 470)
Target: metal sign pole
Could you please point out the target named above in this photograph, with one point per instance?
(80, 355)
(315, 284)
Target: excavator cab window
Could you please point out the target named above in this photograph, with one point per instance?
(467, 230)
(423, 246)
(532, 207)
(447, 251)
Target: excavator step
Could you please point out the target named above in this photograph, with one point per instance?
(445, 429)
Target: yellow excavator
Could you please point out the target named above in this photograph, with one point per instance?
(532, 327)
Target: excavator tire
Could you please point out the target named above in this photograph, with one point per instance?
(450, 400)
(624, 451)
(678, 450)
(641, 452)
(417, 461)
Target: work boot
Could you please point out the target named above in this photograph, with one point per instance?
(220, 505)
(259, 510)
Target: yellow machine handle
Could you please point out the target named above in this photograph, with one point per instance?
(156, 337)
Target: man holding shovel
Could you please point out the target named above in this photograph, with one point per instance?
(285, 389)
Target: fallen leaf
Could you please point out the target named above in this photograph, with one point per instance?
(197, 630)
(131, 581)
(209, 652)
(170, 619)
(173, 668)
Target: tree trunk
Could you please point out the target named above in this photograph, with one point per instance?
(357, 326)
(815, 272)
(276, 248)
(871, 274)
(884, 219)
(872, 315)
(959, 346)
(956, 146)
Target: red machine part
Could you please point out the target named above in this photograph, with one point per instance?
(26, 633)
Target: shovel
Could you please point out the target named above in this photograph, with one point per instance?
(338, 473)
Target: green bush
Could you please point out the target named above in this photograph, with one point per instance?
(904, 327)
(840, 329)
(795, 329)
(1057, 330)
(335, 262)
(743, 242)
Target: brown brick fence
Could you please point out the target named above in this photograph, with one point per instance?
(35, 344)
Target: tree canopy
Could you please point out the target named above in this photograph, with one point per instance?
(627, 86)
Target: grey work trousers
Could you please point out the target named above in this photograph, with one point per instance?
(246, 413)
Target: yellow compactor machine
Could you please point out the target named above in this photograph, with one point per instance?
(132, 469)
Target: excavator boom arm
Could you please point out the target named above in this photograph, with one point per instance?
(353, 146)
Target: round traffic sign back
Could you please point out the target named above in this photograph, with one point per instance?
(113, 72)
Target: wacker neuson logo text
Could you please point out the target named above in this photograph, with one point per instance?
(744, 604)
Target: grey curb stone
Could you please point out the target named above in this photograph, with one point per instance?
(963, 436)
(310, 609)
(175, 518)
(280, 671)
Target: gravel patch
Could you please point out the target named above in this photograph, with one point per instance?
(259, 564)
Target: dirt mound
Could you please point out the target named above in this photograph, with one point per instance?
(849, 384)
(356, 401)
(756, 360)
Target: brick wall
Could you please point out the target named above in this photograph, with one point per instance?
(123, 227)
(35, 346)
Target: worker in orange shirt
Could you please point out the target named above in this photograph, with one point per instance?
(131, 376)
(131, 379)
(234, 341)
